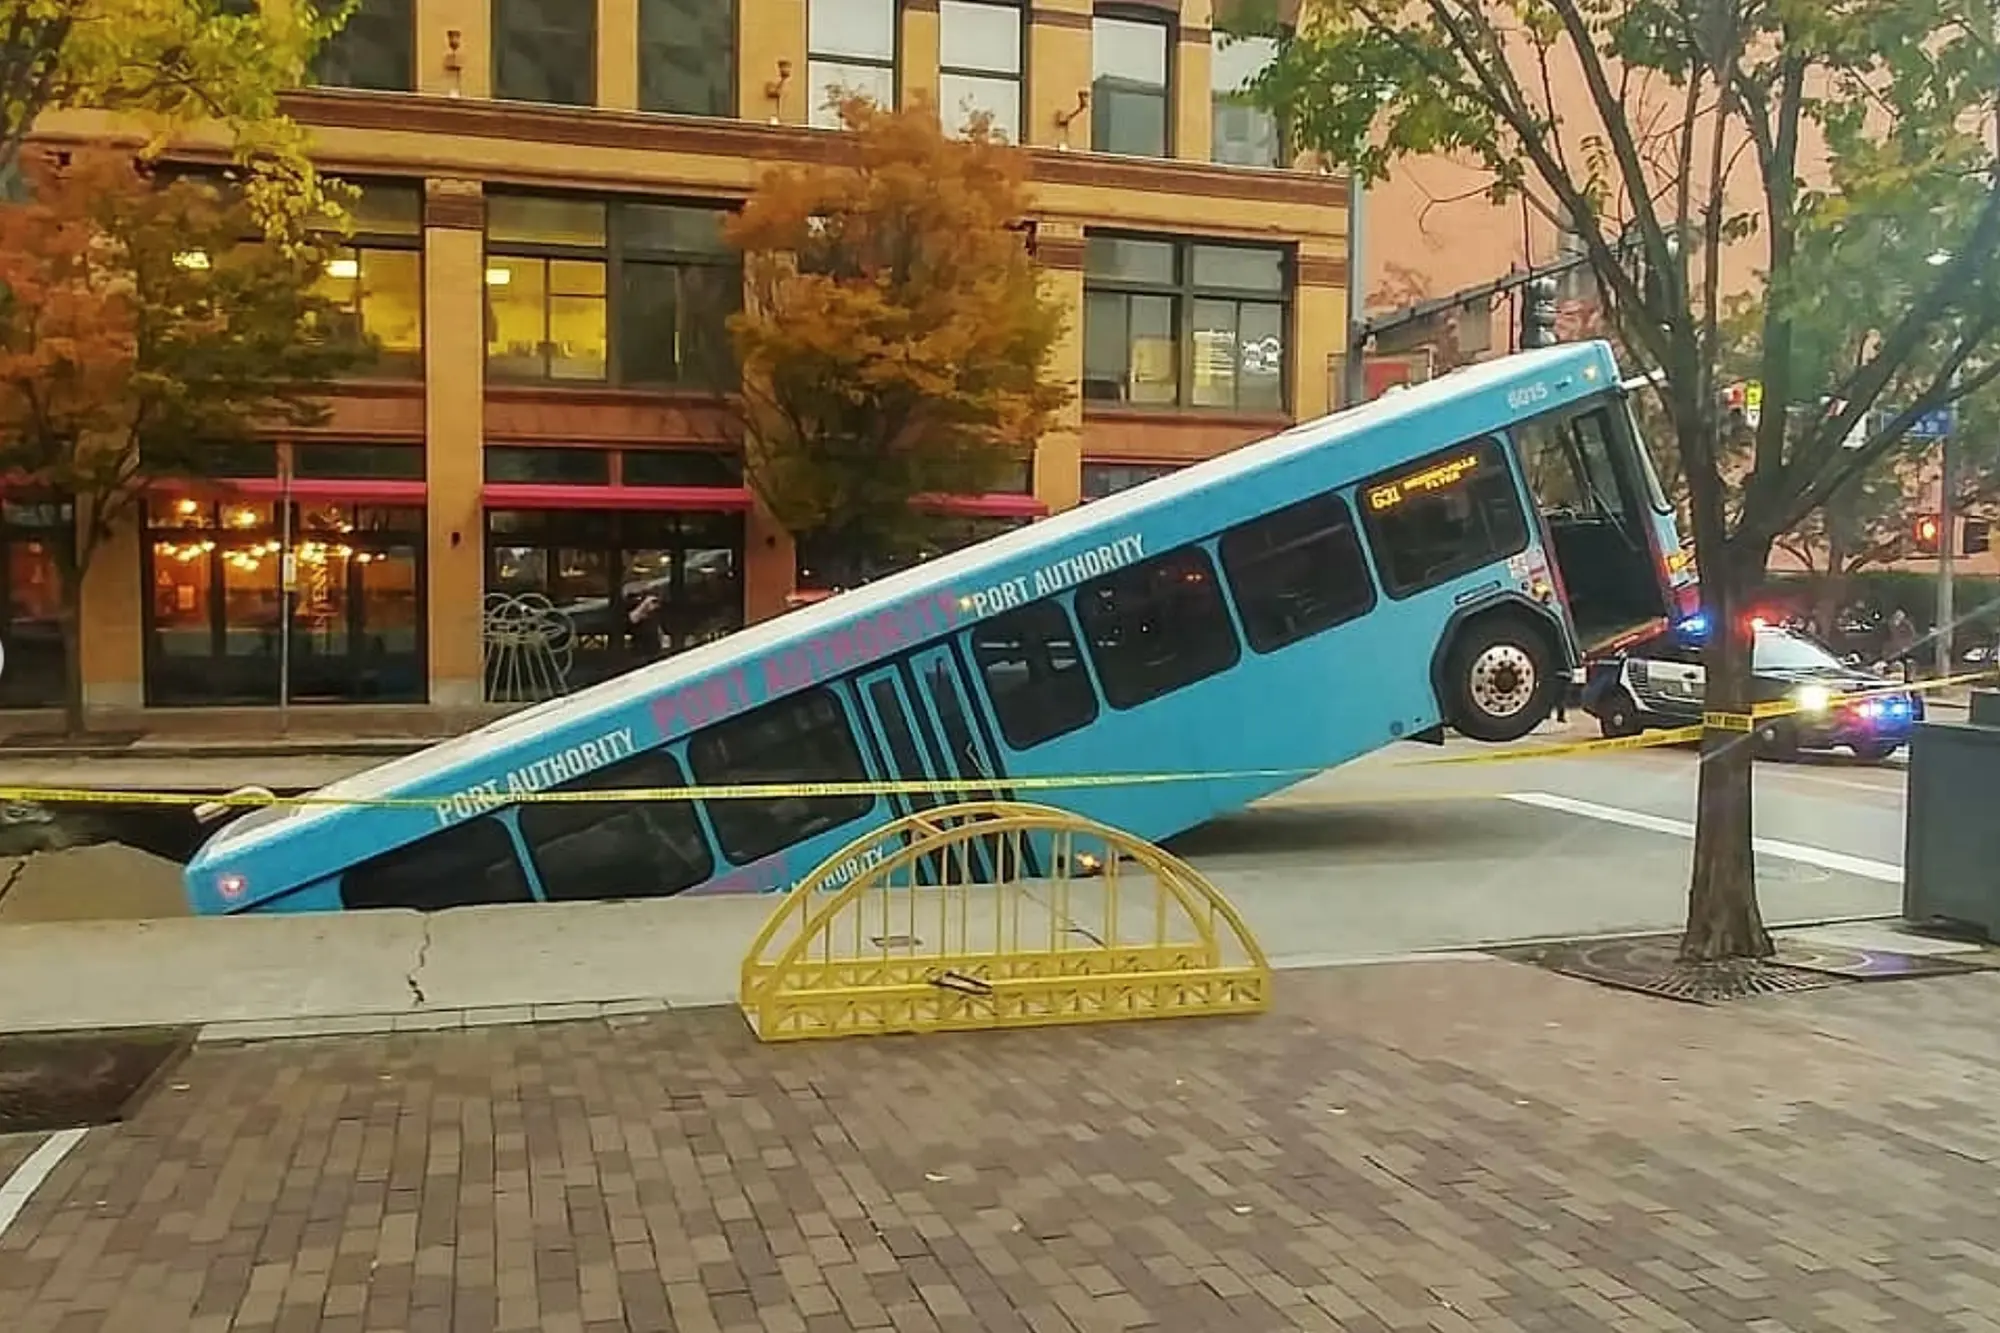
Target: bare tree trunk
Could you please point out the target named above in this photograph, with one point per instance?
(74, 722)
(1832, 583)
(1723, 917)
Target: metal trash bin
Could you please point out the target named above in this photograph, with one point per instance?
(1951, 842)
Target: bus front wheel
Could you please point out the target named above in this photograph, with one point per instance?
(1502, 679)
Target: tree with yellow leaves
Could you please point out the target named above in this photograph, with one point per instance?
(896, 339)
(171, 63)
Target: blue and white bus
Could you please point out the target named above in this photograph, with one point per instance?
(1441, 557)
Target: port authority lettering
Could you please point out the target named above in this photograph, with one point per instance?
(572, 762)
(1054, 578)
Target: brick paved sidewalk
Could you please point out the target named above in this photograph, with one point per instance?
(1443, 1146)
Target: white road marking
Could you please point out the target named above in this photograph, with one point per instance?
(18, 1188)
(1860, 866)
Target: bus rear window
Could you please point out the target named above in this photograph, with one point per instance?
(466, 865)
(1156, 627)
(801, 738)
(1296, 572)
(618, 849)
(1443, 516)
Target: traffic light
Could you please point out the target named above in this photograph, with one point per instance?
(1977, 538)
(1925, 533)
(1538, 314)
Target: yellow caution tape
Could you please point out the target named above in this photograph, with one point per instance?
(1787, 707)
(1644, 741)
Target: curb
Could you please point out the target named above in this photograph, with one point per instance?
(332, 749)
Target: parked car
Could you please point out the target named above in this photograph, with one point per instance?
(1661, 684)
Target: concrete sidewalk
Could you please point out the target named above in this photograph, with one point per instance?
(1433, 875)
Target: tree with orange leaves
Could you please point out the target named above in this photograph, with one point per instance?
(142, 325)
(896, 339)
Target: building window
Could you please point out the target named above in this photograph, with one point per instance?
(1034, 673)
(553, 303)
(376, 280)
(1131, 96)
(687, 56)
(1244, 135)
(850, 48)
(32, 538)
(1156, 627)
(678, 284)
(1442, 517)
(513, 464)
(375, 49)
(216, 620)
(597, 569)
(801, 738)
(979, 64)
(358, 462)
(1296, 572)
(1188, 324)
(545, 51)
(1102, 479)
(545, 288)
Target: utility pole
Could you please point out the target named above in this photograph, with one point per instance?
(1354, 379)
(1947, 547)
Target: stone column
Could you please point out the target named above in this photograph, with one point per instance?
(454, 434)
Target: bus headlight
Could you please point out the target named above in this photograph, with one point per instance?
(1813, 698)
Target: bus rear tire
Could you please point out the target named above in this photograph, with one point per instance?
(1502, 680)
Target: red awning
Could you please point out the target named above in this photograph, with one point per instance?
(535, 495)
(1003, 505)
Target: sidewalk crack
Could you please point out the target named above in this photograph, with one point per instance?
(19, 868)
(416, 969)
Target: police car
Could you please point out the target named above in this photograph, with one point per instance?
(1660, 684)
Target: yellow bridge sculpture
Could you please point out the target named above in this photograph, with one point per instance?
(997, 914)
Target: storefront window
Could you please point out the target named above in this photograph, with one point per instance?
(595, 569)
(216, 626)
(31, 595)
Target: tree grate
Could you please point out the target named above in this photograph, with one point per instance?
(1651, 965)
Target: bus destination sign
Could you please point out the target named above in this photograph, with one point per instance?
(1437, 477)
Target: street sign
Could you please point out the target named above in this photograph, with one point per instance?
(1934, 424)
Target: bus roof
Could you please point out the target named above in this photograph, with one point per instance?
(399, 776)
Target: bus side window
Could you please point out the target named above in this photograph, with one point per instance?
(1296, 572)
(465, 865)
(1157, 626)
(1443, 516)
(803, 737)
(1034, 673)
(618, 849)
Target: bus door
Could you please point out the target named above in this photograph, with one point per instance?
(1597, 512)
(966, 753)
(895, 727)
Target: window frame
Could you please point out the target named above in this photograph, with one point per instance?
(1393, 586)
(495, 30)
(1184, 292)
(1235, 573)
(732, 90)
(1169, 24)
(612, 777)
(1218, 97)
(1019, 78)
(749, 852)
(894, 64)
(1119, 696)
(615, 256)
(359, 244)
(1041, 672)
(408, 54)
